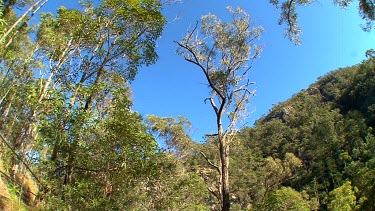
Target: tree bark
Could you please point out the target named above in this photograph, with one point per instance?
(34, 8)
(224, 158)
(224, 155)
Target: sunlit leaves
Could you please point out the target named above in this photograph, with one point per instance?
(289, 17)
(173, 132)
(2, 22)
(224, 47)
(66, 98)
(329, 131)
(223, 50)
(286, 198)
(276, 171)
(342, 198)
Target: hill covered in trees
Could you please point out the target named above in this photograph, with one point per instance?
(329, 127)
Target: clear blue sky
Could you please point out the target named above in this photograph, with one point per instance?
(332, 38)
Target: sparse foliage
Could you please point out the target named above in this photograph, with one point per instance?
(223, 51)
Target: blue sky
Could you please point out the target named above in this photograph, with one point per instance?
(332, 38)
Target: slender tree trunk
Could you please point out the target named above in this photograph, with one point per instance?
(224, 158)
(224, 151)
(6, 111)
(72, 153)
(34, 8)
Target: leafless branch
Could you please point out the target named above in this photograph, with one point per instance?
(211, 135)
(210, 163)
(212, 101)
(288, 15)
(215, 193)
(19, 158)
(15, 181)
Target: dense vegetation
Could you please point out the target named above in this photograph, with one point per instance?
(69, 139)
(329, 127)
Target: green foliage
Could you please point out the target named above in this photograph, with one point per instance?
(65, 107)
(329, 127)
(286, 198)
(289, 17)
(175, 133)
(342, 198)
(2, 22)
(110, 156)
(365, 184)
(181, 192)
(246, 175)
(102, 35)
(360, 94)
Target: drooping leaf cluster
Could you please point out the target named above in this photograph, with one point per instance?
(289, 15)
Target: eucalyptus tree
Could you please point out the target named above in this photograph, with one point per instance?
(16, 84)
(223, 52)
(65, 76)
(86, 51)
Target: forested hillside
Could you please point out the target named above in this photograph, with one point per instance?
(329, 127)
(70, 140)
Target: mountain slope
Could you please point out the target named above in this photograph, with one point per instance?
(329, 126)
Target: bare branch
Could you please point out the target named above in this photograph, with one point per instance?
(244, 87)
(209, 57)
(19, 184)
(289, 17)
(212, 101)
(196, 62)
(19, 158)
(237, 108)
(211, 135)
(215, 193)
(209, 162)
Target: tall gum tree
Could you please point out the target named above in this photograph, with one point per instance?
(223, 51)
(78, 52)
(116, 37)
